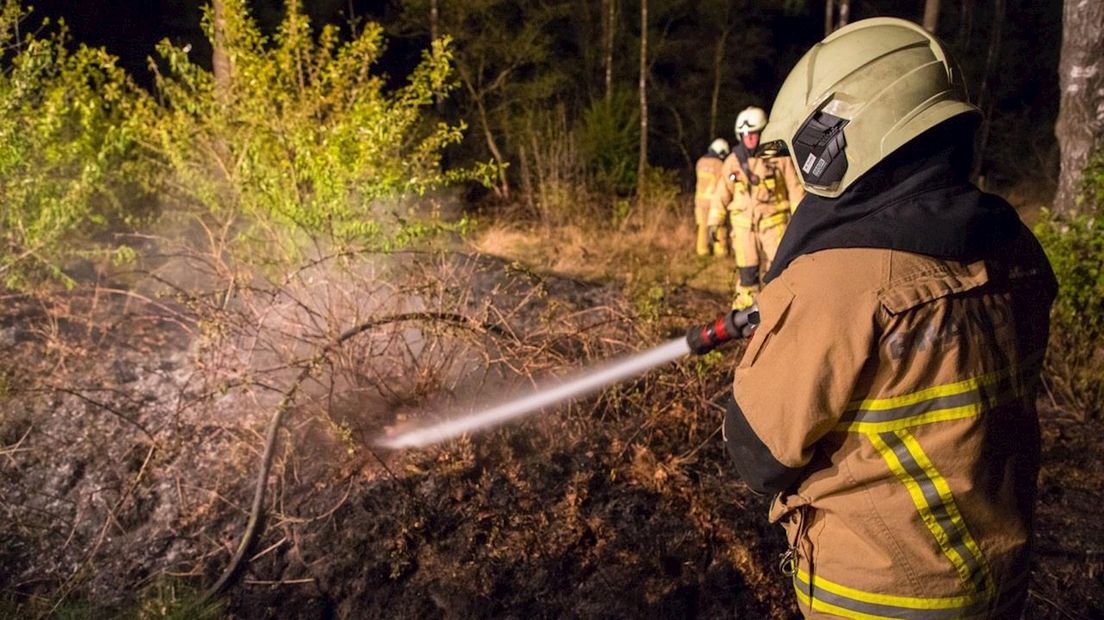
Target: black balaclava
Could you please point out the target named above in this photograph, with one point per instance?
(919, 199)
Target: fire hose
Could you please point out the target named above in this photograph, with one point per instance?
(697, 341)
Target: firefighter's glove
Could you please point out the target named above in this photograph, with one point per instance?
(712, 232)
(735, 324)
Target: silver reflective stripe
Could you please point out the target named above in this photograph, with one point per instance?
(925, 609)
(982, 394)
(925, 406)
(953, 532)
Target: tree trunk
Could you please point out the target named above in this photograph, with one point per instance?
(610, 19)
(965, 24)
(503, 189)
(434, 33)
(1080, 126)
(829, 17)
(220, 59)
(434, 18)
(985, 99)
(931, 15)
(718, 62)
(643, 163)
(844, 13)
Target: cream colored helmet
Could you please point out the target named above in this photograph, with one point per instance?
(719, 147)
(859, 95)
(750, 119)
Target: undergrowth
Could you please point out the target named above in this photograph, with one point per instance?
(1075, 247)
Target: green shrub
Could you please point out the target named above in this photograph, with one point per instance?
(610, 141)
(1075, 363)
(303, 141)
(67, 140)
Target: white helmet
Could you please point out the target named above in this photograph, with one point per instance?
(750, 120)
(719, 147)
(859, 95)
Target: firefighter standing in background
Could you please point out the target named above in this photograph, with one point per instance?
(708, 171)
(887, 397)
(756, 195)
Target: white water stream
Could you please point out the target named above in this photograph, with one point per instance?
(581, 384)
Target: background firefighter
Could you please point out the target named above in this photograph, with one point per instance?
(756, 196)
(708, 172)
(888, 394)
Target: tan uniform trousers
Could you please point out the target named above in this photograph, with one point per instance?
(755, 239)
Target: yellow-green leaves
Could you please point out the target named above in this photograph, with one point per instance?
(66, 137)
(304, 141)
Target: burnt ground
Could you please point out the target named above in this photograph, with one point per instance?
(130, 433)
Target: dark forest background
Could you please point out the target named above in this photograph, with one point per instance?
(526, 58)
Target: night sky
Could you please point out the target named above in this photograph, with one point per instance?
(130, 29)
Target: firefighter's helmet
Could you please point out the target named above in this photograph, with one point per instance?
(749, 120)
(859, 95)
(719, 147)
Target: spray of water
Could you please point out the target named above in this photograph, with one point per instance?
(581, 384)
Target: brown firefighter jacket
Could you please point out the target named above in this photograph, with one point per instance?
(902, 386)
(755, 205)
(708, 169)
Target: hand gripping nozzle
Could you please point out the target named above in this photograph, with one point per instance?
(733, 325)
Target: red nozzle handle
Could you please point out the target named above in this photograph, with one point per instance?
(735, 324)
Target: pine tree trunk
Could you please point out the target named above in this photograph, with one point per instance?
(966, 24)
(1080, 126)
(718, 62)
(607, 57)
(931, 15)
(829, 17)
(434, 18)
(643, 163)
(434, 33)
(220, 59)
(844, 13)
(985, 98)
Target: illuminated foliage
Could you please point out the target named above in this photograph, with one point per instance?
(67, 136)
(303, 142)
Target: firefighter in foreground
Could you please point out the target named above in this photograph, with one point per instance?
(887, 397)
(708, 169)
(756, 195)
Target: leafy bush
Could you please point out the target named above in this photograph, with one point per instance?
(67, 136)
(611, 140)
(1075, 364)
(302, 139)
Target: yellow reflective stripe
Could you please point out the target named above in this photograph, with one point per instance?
(891, 600)
(942, 415)
(706, 180)
(741, 221)
(819, 605)
(954, 401)
(950, 389)
(1028, 364)
(921, 504)
(774, 220)
(949, 504)
(939, 527)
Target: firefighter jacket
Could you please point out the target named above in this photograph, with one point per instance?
(708, 171)
(761, 204)
(888, 399)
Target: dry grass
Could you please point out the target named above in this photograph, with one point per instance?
(654, 248)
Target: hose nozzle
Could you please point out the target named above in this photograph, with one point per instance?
(733, 325)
